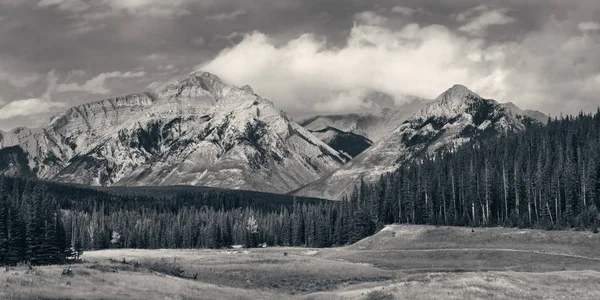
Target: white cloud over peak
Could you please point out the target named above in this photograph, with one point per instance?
(543, 69)
(304, 75)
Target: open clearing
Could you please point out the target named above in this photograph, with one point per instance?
(400, 262)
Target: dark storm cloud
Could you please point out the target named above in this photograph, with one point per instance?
(97, 49)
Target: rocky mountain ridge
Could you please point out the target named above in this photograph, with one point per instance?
(454, 118)
(195, 131)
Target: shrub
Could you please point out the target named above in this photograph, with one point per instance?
(379, 295)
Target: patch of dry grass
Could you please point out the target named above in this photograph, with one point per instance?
(94, 283)
(299, 272)
(490, 285)
(410, 237)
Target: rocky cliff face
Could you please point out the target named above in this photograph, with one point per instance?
(196, 131)
(456, 117)
(347, 143)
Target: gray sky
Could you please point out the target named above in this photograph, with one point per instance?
(308, 56)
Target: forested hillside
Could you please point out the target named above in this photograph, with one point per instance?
(43, 222)
(31, 225)
(544, 177)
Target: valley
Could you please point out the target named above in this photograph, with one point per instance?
(399, 262)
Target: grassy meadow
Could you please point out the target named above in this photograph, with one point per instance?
(400, 262)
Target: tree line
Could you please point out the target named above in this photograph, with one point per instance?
(31, 228)
(545, 177)
(47, 223)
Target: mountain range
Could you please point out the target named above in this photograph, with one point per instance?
(195, 131)
(201, 131)
(456, 117)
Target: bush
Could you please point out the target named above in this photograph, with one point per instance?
(379, 295)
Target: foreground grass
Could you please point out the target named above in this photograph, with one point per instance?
(488, 285)
(400, 262)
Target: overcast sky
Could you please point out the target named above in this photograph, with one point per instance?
(307, 56)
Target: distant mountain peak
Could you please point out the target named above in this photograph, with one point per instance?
(457, 94)
(458, 116)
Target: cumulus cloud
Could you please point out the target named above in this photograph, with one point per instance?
(589, 26)
(97, 85)
(547, 68)
(481, 17)
(303, 74)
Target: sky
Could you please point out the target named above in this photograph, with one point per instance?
(308, 57)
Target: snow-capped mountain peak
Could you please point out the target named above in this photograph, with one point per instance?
(452, 102)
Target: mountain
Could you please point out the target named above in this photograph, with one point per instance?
(195, 131)
(527, 113)
(454, 118)
(347, 143)
(372, 125)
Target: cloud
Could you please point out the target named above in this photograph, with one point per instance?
(370, 18)
(481, 17)
(74, 6)
(547, 68)
(156, 8)
(28, 107)
(405, 11)
(199, 41)
(18, 80)
(588, 26)
(100, 9)
(33, 106)
(303, 74)
(97, 85)
(226, 16)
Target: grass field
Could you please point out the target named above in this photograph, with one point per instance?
(400, 262)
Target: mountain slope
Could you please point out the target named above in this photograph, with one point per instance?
(196, 131)
(372, 125)
(347, 143)
(456, 117)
